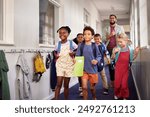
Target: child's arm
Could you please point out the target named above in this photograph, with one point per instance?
(72, 53)
(98, 58)
(136, 51)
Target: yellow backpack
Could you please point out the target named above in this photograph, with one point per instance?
(39, 67)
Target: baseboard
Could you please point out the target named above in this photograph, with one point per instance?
(51, 96)
(137, 90)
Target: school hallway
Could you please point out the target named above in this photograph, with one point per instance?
(74, 91)
(30, 26)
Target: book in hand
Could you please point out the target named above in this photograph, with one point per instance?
(79, 65)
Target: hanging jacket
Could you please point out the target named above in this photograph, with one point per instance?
(23, 84)
(5, 93)
(53, 75)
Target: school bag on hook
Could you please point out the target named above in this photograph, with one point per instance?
(39, 67)
(48, 61)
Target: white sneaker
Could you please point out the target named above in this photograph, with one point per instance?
(80, 88)
(81, 94)
(115, 97)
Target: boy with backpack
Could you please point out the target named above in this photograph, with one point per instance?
(104, 53)
(92, 57)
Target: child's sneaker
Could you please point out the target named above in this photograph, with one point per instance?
(80, 88)
(116, 98)
(81, 94)
(95, 98)
(105, 92)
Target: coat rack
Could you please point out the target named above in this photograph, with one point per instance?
(26, 51)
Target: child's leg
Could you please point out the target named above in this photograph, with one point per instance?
(80, 81)
(84, 88)
(66, 87)
(117, 82)
(93, 91)
(58, 87)
(93, 80)
(104, 79)
(124, 86)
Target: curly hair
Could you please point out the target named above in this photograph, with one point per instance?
(90, 29)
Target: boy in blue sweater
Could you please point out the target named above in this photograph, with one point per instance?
(90, 62)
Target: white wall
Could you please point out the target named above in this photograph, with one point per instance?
(72, 15)
(26, 36)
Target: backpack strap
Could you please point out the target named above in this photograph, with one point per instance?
(71, 45)
(81, 48)
(59, 47)
(131, 53)
(94, 49)
(101, 50)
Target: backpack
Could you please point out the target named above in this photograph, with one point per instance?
(39, 67)
(59, 46)
(102, 48)
(100, 64)
(102, 51)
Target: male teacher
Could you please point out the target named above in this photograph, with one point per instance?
(110, 34)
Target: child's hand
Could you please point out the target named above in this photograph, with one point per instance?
(108, 60)
(136, 51)
(56, 55)
(116, 50)
(94, 62)
(74, 61)
(71, 53)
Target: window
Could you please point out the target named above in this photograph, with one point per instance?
(6, 22)
(148, 3)
(86, 18)
(143, 23)
(48, 15)
(1, 19)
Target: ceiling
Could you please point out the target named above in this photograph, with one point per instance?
(121, 8)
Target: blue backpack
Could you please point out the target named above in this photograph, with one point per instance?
(100, 64)
(102, 51)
